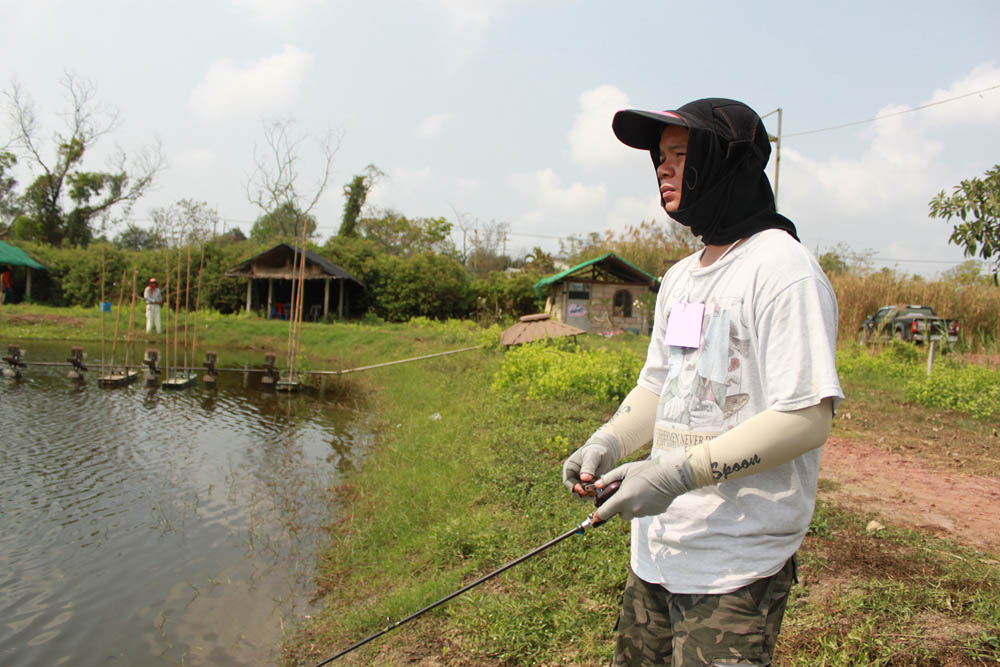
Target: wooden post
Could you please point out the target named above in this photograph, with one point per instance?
(931, 353)
(270, 296)
(27, 284)
(326, 297)
(249, 294)
(340, 301)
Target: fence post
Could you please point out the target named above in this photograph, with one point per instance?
(931, 352)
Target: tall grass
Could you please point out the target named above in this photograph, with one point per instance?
(976, 307)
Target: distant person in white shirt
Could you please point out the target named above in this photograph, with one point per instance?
(154, 298)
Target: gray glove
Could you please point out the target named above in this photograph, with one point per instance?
(648, 487)
(596, 456)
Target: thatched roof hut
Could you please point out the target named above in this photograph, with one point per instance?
(279, 266)
(536, 327)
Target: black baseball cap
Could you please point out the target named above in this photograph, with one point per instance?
(729, 119)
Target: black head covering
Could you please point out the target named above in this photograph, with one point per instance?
(725, 193)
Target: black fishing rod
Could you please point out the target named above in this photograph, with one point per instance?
(601, 496)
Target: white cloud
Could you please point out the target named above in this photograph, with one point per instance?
(27, 15)
(432, 126)
(276, 11)
(198, 159)
(400, 188)
(559, 209)
(978, 109)
(474, 16)
(591, 141)
(881, 194)
(550, 193)
(625, 211)
(468, 22)
(268, 85)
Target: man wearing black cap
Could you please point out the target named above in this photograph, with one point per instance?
(737, 396)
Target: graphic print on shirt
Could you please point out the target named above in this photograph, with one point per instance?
(703, 388)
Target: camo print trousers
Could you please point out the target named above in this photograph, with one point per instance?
(657, 627)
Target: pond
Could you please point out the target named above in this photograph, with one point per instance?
(144, 526)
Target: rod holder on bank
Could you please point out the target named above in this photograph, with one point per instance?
(271, 373)
(211, 372)
(78, 368)
(14, 362)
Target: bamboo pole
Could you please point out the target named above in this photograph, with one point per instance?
(118, 317)
(291, 305)
(131, 325)
(187, 309)
(302, 291)
(102, 309)
(197, 302)
(166, 312)
(177, 306)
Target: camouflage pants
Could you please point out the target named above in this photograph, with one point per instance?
(657, 627)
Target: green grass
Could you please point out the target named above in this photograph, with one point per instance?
(440, 504)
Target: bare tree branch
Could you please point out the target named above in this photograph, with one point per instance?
(274, 182)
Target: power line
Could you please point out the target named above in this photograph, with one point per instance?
(890, 115)
(924, 261)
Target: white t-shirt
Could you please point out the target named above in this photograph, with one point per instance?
(152, 296)
(768, 342)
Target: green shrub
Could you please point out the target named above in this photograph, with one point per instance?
(972, 389)
(501, 295)
(560, 369)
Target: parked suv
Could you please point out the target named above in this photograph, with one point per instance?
(909, 322)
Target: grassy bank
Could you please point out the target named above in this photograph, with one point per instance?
(464, 476)
(442, 502)
(325, 346)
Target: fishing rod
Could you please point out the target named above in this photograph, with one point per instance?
(601, 495)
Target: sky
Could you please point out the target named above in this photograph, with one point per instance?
(499, 111)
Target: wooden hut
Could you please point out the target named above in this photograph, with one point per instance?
(600, 295)
(14, 257)
(270, 277)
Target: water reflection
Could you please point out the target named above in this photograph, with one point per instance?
(157, 527)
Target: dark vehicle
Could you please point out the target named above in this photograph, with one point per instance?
(911, 323)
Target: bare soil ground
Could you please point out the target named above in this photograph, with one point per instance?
(33, 318)
(903, 490)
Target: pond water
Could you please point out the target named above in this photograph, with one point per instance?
(143, 526)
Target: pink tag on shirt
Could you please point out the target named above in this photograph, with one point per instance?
(684, 324)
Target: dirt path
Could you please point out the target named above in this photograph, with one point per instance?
(904, 492)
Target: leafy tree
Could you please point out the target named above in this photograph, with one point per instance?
(501, 295)
(356, 192)
(9, 206)
(230, 235)
(398, 235)
(285, 222)
(652, 246)
(969, 272)
(841, 259)
(138, 238)
(488, 242)
(976, 202)
(540, 262)
(64, 200)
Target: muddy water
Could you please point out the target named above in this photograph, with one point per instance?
(140, 526)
